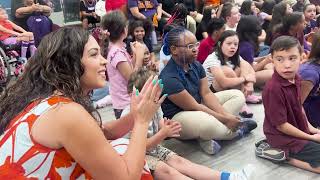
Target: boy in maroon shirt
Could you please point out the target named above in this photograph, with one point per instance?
(286, 126)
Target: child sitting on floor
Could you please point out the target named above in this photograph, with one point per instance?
(164, 163)
(286, 126)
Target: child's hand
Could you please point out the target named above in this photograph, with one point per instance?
(170, 128)
(250, 78)
(138, 51)
(248, 89)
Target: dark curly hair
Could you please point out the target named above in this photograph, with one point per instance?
(56, 66)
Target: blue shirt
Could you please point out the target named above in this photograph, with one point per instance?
(175, 80)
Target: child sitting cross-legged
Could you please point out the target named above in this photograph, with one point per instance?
(286, 126)
(164, 163)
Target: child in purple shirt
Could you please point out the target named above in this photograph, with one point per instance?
(286, 126)
(310, 89)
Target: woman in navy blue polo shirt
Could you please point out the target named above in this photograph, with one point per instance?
(203, 115)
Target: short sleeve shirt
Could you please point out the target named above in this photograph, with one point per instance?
(311, 72)
(246, 51)
(118, 84)
(213, 61)
(88, 7)
(206, 47)
(147, 7)
(281, 105)
(175, 80)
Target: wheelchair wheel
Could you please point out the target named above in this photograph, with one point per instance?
(5, 69)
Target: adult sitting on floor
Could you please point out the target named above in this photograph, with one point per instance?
(203, 115)
(27, 9)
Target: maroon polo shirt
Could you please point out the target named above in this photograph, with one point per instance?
(282, 103)
(205, 48)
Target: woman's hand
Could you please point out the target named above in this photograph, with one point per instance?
(232, 122)
(146, 103)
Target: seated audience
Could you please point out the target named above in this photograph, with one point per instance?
(88, 13)
(165, 163)
(12, 34)
(215, 28)
(285, 125)
(292, 25)
(190, 100)
(54, 128)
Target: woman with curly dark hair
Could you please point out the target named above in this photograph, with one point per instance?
(48, 127)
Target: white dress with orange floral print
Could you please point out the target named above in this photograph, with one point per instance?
(21, 157)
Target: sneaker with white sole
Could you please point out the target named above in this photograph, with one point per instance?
(244, 174)
(210, 146)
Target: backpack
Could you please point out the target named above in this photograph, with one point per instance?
(40, 26)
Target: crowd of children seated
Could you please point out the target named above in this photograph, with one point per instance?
(213, 57)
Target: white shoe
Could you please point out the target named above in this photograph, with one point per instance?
(244, 174)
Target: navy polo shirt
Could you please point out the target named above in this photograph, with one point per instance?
(175, 80)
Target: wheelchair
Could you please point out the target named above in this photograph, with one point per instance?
(10, 65)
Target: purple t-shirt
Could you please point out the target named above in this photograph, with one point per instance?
(311, 72)
(246, 51)
(147, 7)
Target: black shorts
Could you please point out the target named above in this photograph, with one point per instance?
(310, 153)
(91, 20)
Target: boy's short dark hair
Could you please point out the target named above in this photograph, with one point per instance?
(139, 78)
(215, 24)
(284, 43)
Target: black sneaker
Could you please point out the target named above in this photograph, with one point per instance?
(264, 150)
(246, 126)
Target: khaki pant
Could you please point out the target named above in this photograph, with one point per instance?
(198, 124)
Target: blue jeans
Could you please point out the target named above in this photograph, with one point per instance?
(100, 93)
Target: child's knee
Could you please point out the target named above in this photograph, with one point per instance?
(177, 160)
(164, 170)
(228, 71)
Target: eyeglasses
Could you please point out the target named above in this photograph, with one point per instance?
(190, 46)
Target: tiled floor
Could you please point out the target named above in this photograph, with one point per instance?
(235, 154)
